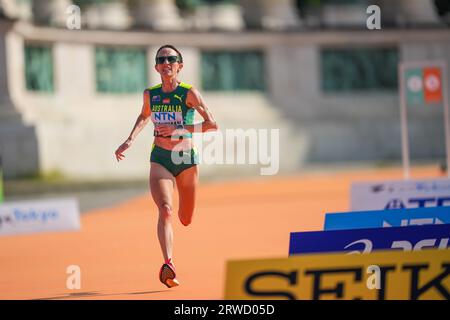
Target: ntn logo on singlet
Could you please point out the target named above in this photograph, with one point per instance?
(167, 117)
(167, 113)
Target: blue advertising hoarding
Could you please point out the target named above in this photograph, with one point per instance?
(367, 240)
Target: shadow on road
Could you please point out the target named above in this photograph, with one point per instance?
(96, 294)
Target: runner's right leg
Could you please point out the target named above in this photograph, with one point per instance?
(161, 187)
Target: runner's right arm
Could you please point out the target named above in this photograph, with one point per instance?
(142, 119)
(140, 123)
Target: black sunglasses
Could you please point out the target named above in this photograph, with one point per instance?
(170, 59)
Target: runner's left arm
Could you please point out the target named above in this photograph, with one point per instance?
(194, 100)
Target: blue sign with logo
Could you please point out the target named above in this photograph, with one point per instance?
(387, 218)
(367, 240)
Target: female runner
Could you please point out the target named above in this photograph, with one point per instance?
(171, 106)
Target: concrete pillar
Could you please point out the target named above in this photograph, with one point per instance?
(198, 19)
(408, 12)
(156, 14)
(390, 11)
(72, 84)
(269, 14)
(17, 9)
(18, 142)
(418, 12)
(352, 15)
(7, 109)
(52, 12)
(107, 15)
(226, 16)
(191, 67)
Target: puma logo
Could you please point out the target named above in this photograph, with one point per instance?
(178, 97)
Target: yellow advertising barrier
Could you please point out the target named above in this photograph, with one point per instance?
(382, 275)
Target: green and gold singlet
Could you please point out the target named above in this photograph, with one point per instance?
(171, 108)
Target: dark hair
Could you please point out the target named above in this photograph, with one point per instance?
(173, 48)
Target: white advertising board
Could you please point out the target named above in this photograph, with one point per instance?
(39, 216)
(400, 194)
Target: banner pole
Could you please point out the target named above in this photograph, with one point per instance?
(404, 124)
(1, 181)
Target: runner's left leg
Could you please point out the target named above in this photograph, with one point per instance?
(187, 186)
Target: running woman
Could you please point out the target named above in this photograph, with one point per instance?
(173, 159)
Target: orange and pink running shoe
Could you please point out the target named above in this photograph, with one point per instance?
(167, 274)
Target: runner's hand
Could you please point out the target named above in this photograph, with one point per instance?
(124, 146)
(165, 130)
